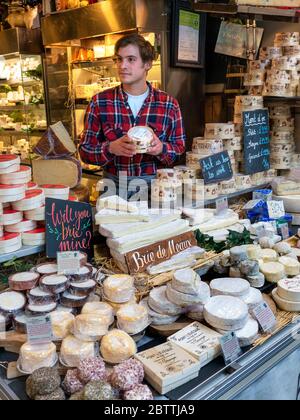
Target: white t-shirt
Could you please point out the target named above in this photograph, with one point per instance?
(136, 102)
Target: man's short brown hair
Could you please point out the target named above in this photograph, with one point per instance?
(147, 51)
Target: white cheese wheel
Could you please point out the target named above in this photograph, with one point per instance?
(6, 161)
(37, 296)
(82, 289)
(85, 273)
(184, 300)
(236, 287)
(31, 186)
(47, 268)
(11, 217)
(238, 254)
(20, 322)
(58, 191)
(5, 199)
(118, 288)
(34, 237)
(41, 309)
(257, 281)
(247, 335)
(12, 302)
(226, 312)
(283, 248)
(33, 199)
(100, 308)
(253, 298)
(90, 327)
(33, 357)
(285, 305)
(54, 283)
(219, 131)
(273, 271)
(159, 302)
(22, 176)
(142, 137)
(186, 281)
(38, 214)
(291, 266)
(73, 351)
(269, 255)
(72, 301)
(23, 281)
(12, 190)
(157, 318)
(289, 289)
(133, 318)
(117, 346)
(117, 306)
(291, 202)
(62, 323)
(23, 226)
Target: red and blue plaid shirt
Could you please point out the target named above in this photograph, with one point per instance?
(109, 117)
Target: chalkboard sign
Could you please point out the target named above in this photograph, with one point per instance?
(216, 168)
(69, 227)
(234, 40)
(256, 141)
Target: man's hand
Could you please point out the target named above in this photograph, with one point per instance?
(156, 147)
(122, 147)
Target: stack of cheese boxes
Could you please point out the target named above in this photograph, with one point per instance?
(22, 207)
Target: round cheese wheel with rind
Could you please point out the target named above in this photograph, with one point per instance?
(236, 287)
(47, 268)
(32, 200)
(23, 281)
(289, 289)
(247, 335)
(38, 214)
(285, 305)
(33, 357)
(118, 288)
(10, 239)
(5, 199)
(54, 283)
(291, 266)
(253, 298)
(41, 309)
(184, 300)
(23, 226)
(269, 255)
(226, 312)
(273, 271)
(157, 318)
(11, 217)
(186, 281)
(117, 347)
(133, 318)
(159, 302)
(22, 176)
(10, 169)
(12, 302)
(257, 281)
(8, 190)
(74, 350)
(8, 160)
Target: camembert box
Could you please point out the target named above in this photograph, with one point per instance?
(168, 366)
(201, 342)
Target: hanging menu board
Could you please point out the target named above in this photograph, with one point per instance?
(69, 227)
(216, 168)
(256, 141)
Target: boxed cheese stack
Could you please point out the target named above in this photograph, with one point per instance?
(56, 164)
(167, 187)
(283, 144)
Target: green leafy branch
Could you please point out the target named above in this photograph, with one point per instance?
(234, 239)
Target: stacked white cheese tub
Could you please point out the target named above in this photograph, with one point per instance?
(283, 77)
(287, 294)
(21, 199)
(167, 188)
(283, 144)
(60, 192)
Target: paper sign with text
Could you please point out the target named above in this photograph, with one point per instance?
(39, 330)
(68, 263)
(265, 317)
(231, 348)
(276, 209)
(222, 205)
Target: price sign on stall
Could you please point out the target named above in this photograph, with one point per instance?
(39, 330)
(216, 168)
(222, 205)
(231, 348)
(265, 317)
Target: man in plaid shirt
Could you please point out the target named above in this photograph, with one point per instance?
(113, 112)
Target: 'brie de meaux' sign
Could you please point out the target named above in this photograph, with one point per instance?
(139, 260)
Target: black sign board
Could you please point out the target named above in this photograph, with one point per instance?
(69, 227)
(216, 168)
(256, 141)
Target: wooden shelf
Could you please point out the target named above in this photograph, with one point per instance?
(237, 193)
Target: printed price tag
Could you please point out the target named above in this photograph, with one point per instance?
(230, 348)
(276, 209)
(265, 317)
(285, 232)
(222, 205)
(68, 263)
(39, 330)
(252, 204)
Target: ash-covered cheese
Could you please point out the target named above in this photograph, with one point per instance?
(23, 281)
(133, 318)
(230, 287)
(249, 267)
(238, 254)
(117, 346)
(226, 313)
(74, 350)
(119, 288)
(54, 283)
(33, 357)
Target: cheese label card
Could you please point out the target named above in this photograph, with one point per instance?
(253, 204)
(200, 341)
(265, 195)
(216, 168)
(68, 263)
(69, 227)
(230, 348)
(284, 230)
(276, 209)
(222, 205)
(256, 141)
(265, 317)
(39, 330)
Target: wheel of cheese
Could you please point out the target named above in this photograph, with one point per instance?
(82, 289)
(22, 176)
(37, 296)
(273, 271)
(33, 236)
(33, 309)
(257, 281)
(159, 302)
(157, 318)
(61, 324)
(100, 308)
(5, 199)
(118, 288)
(236, 287)
(285, 305)
(23, 281)
(247, 335)
(58, 191)
(90, 327)
(269, 255)
(31, 186)
(23, 226)
(38, 214)
(85, 273)
(12, 190)
(238, 254)
(73, 351)
(33, 357)
(117, 346)
(72, 301)
(226, 313)
(7, 161)
(47, 269)
(184, 300)
(54, 283)
(33, 199)
(291, 266)
(253, 298)
(186, 281)
(133, 319)
(12, 302)
(11, 217)
(289, 289)
(10, 240)
(20, 323)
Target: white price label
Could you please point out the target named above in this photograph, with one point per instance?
(276, 209)
(39, 330)
(285, 232)
(265, 317)
(231, 348)
(251, 204)
(222, 205)
(68, 263)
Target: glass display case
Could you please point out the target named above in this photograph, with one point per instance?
(22, 104)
